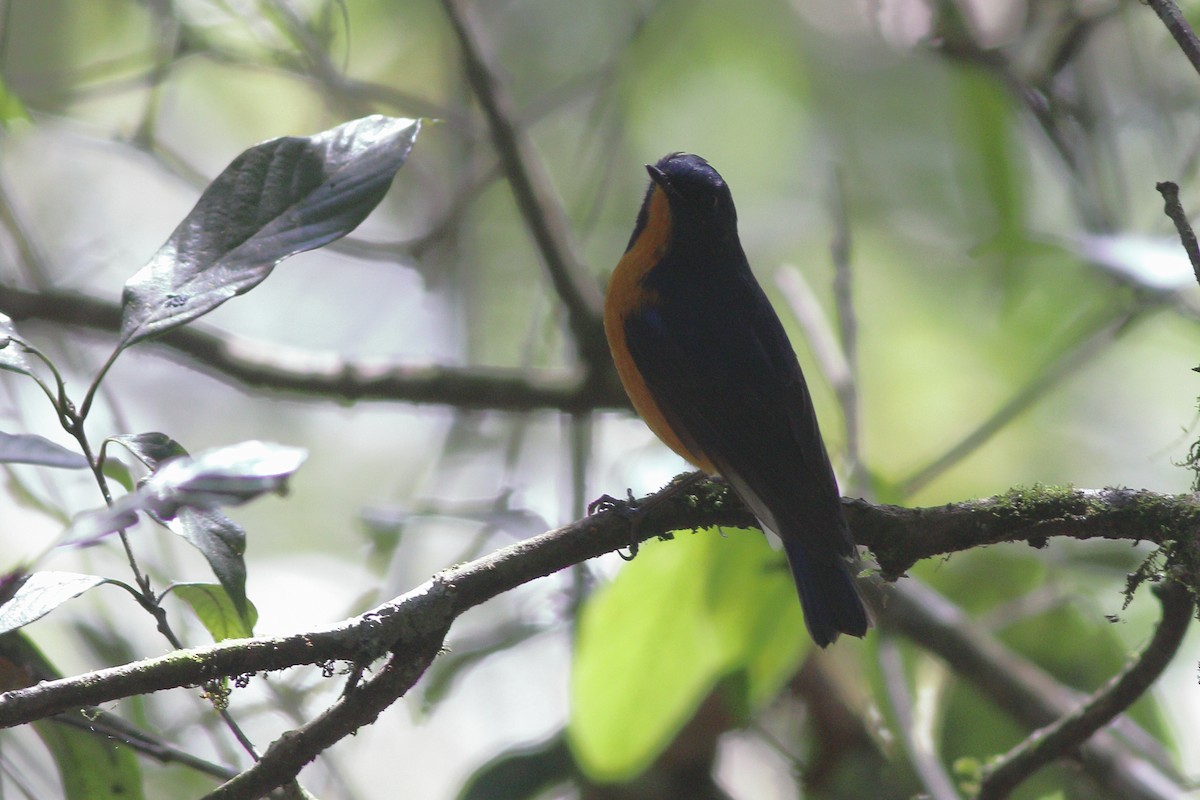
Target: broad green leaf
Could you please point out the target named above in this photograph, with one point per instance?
(39, 593)
(217, 611)
(276, 199)
(679, 621)
(29, 448)
(91, 765)
(223, 544)
(152, 449)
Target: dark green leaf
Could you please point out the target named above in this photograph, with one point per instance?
(29, 448)
(150, 448)
(216, 610)
(91, 764)
(223, 543)
(40, 593)
(522, 774)
(276, 199)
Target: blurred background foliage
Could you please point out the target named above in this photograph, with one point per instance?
(1020, 309)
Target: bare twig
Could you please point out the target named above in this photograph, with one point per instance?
(1179, 28)
(848, 328)
(1174, 209)
(925, 762)
(1072, 730)
(288, 754)
(533, 190)
(1019, 687)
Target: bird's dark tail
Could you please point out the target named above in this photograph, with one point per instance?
(828, 595)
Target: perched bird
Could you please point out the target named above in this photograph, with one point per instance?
(709, 368)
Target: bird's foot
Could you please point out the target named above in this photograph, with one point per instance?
(627, 508)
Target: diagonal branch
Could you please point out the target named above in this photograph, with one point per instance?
(360, 706)
(533, 190)
(1174, 209)
(1179, 29)
(1019, 687)
(1072, 730)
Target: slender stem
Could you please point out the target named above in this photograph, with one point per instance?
(924, 761)
(1174, 209)
(1179, 28)
(1072, 730)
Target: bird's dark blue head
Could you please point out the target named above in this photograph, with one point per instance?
(697, 194)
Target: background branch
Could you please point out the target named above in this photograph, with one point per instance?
(1019, 687)
(1179, 28)
(533, 190)
(271, 366)
(1072, 730)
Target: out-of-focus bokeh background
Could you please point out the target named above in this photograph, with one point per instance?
(1021, 313)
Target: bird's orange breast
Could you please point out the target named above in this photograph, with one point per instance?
(628, 295)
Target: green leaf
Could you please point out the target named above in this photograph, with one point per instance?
(152, 449)
(522, 773)
(29, 448)
(117, 470)
(217, 611)
(223, 544)
(276, 199)
(989, 148)
(677, 622)
(92, 766)
(39, 593)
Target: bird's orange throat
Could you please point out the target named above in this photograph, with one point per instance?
(628, 295)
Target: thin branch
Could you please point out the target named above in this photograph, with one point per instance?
(110, 726)
(1072, 730)
(1019, 687)
(1073, 357)
(848, 329)
(1179, 28)
(925, 761)
(533, 190)
(361, 706)
(1174, 209)
(246, 364)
